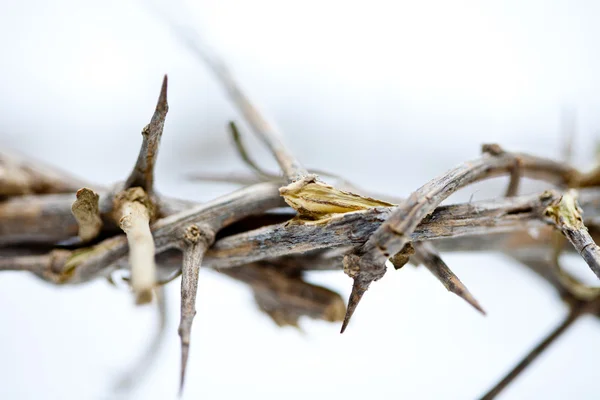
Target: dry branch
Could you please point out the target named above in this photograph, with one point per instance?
(268, 236)
(367, 264)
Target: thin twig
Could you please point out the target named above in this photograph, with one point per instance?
(264, 129)
(573, 316)
(243, 153)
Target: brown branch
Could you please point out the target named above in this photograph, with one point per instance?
(367, 264)
(354, 228)
(330, 224)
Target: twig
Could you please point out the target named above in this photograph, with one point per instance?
(232, 178)
(265, 130)
(367, 264)
(243, 153)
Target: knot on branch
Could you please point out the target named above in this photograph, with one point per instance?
(198, 233)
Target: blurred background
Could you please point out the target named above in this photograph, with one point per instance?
(388, 94)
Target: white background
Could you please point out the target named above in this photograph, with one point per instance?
(388, 94)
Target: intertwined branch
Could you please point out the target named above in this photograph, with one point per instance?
(269, 233)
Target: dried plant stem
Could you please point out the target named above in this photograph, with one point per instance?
(86, 212)
(135, 222)
(367, 264)
(320, 228)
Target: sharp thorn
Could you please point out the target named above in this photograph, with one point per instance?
(359, 287)
(185, 349)
(434, 263)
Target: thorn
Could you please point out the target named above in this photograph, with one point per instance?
(192, 259)
(454, 285)
(359, 287)
(434, 263)
(185, 349)
(142, 174)
(161, 104)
